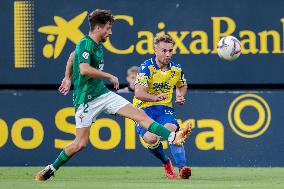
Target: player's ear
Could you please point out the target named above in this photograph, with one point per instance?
(155, 48)
(97, 27)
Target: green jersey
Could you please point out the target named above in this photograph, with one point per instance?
(87, 88)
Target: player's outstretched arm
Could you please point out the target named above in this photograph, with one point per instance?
(66, 82)
(86, 69)
(180, 94)
(142, 94)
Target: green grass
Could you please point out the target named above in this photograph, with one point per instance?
(146, 178)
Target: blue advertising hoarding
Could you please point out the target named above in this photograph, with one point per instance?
(231, 128)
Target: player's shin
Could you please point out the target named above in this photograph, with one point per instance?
(160, 130)
(158, 151)
(178, 153)
(60, 160)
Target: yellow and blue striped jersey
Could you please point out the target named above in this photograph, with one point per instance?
(158, 81)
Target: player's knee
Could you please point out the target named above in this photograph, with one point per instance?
(80, 145)
(150, 139)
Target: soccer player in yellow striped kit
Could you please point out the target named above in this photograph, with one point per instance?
(154, 86)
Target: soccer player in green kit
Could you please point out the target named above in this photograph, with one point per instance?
(91, 96)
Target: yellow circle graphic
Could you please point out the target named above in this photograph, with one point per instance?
(249, 130)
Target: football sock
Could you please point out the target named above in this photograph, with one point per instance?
(158, 151)
(159, 130)
(60, 160)
(178, 153)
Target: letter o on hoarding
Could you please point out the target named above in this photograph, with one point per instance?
(17, 137)
(3, 132)
(115, 134)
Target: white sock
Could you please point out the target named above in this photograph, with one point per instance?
(172, 137)
(52, 168)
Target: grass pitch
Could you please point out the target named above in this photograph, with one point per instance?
(142, 177)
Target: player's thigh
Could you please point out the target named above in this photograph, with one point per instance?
(114, 103)
(167, 117)
(87, 113)
(135, 114)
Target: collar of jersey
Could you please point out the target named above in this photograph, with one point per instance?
(96, 44)
(153, 61)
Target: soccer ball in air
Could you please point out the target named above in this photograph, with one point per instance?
(229, 48)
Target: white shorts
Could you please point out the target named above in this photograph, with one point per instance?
(109, 103)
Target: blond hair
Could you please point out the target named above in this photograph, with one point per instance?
(163, 38)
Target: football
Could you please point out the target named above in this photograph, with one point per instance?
(229, 48)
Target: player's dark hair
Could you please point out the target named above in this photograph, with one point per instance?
(100, 17)
(163, 38)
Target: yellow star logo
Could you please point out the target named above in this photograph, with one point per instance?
(63, 30)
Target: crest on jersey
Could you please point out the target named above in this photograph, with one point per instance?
(81, 117)
(101, 67)
(85, 55)
(173, 74)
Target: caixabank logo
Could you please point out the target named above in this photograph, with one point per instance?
(194, 42)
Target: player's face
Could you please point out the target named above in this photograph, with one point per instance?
(164, 52)
(105, 32)
(131, 79)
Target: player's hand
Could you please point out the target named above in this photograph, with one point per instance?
(160, 97)
(115, 82)
(180, 99)
(65, 86)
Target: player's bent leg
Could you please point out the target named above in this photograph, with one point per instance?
(142, 119)
(135, 114)
(156, 148)
(178, 153)
(80, 142)
(150, 138)
(120, 106)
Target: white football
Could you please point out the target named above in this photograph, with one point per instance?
(229, 48)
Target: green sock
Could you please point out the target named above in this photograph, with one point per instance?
(61, 159)
(160, 130)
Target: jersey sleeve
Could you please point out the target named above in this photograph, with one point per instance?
(182, 81)
(84, 52)
(143, 75)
